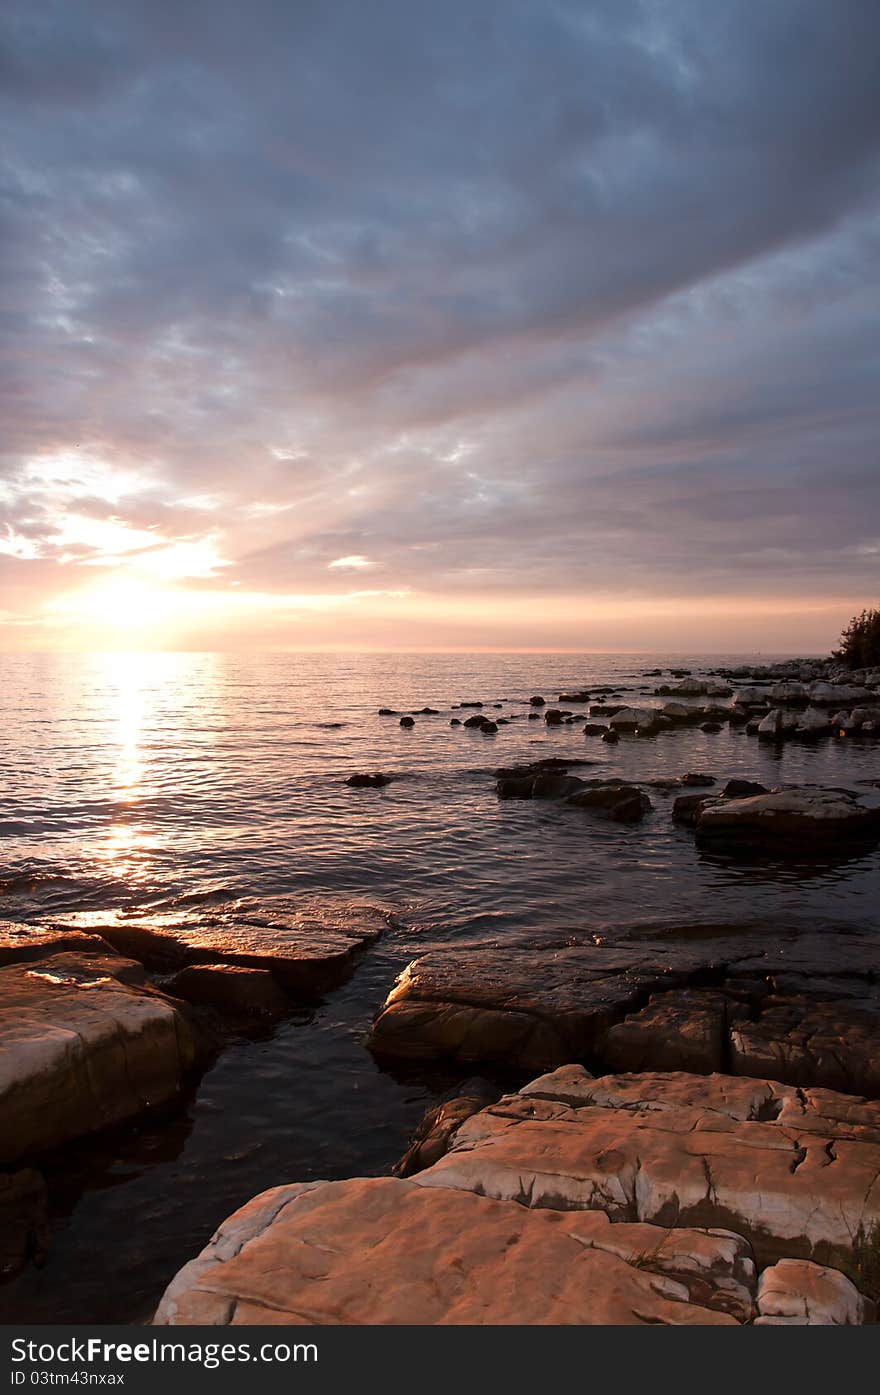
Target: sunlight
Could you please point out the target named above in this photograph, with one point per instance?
(122, 603)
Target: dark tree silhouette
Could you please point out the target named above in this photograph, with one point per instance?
(860, 641)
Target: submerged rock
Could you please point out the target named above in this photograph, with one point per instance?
(407, 722)
(619, 803)
(367, 781)
(24, 1220)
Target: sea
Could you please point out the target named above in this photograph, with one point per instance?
(173, 781)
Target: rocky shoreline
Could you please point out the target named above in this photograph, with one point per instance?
(701, 1145)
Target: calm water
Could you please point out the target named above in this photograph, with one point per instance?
(169, 780)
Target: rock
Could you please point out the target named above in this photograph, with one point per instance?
(364, 781)
(838, 695)
(797, 1292)
(619, 803)
(682, 1150)
(470, 704)
(861, 717)
(26, 942)
(777, 724)
(678, 713)
(595, 729)
(382, 1250)
(387, 712)
(574, 697)
(686, 808)
(407, 722)
(751, 697)
(456, 722)
(711, 728)
(439, 1124)
(24, 1220)
(515, 787)
(632, 719)
(813, 722)
(695, 687)
(537, 701)
(309, 945)
(606, 709)
(232, 989)
(518, 1010)
(789, 691)
(697, 780)
(553, 717)
(790, 816)
(477, 721)
(612, 737)
(797, 1038)
(741, 789)
(80, 1050)
(489, 728)
(678, 1031)
(554, 786)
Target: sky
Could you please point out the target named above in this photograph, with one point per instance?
(484, 324)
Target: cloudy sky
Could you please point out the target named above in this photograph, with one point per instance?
(504, 323)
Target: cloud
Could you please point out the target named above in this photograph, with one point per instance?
(511, 299)
(352, 563)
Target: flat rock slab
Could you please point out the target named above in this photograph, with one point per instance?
(83, 1047)
(810, 1002)
(309, 946)
(26, 942)
(797, 1039)
(522, 1007)
(682, 1150)
(383, 1251)
(234, 989)
(684, 1030)
(787, 817)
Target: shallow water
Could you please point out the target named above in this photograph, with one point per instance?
(170, 780)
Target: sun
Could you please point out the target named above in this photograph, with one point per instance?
(126, 603)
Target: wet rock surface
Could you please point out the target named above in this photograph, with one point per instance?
(233, 989)
(84, 1045)
(785, 817)
(492, 1005)
(722, 1003)
(309, 946)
